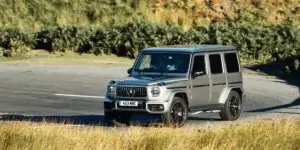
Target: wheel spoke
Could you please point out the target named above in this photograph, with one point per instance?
(177, 114)
(234, 105)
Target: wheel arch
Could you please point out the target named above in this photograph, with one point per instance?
(227, 90)
(238, 90)
(181, 94)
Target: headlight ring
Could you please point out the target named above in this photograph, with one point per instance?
(155, 91)
(111, 90)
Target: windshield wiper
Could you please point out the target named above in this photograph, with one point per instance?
(140, 71)
(164, 73)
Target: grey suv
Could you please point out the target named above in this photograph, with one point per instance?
(177, 81)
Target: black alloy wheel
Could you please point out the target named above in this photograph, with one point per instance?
(235, 106)
(232, 108)
(177, 114)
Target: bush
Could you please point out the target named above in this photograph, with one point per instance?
(14, 43)
(279, 44)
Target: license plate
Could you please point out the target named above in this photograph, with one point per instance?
(128, 103)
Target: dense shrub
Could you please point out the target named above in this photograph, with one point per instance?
(280, 43)
(15, 43)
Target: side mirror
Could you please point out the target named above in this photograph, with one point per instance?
(129, 71)
(198, 73)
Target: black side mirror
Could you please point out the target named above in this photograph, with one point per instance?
(198, 73)
(129, 71)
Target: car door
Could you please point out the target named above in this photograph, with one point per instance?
(199, 83)
(218, 77)
(233, 70)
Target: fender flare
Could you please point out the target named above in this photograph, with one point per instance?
(174, 92)
(225, 93)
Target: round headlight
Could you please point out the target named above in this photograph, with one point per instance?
(155, 91)
(111, 90)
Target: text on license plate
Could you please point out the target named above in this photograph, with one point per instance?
(128, 103)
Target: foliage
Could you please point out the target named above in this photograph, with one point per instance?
(14, 43)
(279, 43)
(37, 14)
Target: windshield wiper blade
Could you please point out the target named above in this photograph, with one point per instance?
(164, 73)
(140, 71)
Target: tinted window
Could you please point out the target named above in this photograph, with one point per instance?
(163, 62)
(199, 64)
(215, 64)
(231, 62)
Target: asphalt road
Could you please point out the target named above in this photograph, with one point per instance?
(36, 91)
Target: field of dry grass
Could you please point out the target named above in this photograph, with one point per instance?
(257, 135)
(37, 14)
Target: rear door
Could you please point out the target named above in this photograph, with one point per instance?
(218, 76)
(233, 70)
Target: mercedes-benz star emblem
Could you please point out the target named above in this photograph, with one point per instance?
(130, 92)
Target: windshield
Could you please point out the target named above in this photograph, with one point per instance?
(163, 63)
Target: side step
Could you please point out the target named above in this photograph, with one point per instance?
(209, 111)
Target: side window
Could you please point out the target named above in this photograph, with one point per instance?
(199, 64)
(231, 62)
(215, 63)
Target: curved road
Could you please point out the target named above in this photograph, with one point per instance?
(76, 93)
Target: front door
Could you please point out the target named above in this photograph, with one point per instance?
(200, 83)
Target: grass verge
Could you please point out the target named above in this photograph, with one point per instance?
(69, 58)
(257, 135)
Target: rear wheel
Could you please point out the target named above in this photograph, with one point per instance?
(177, 114)
(232, 107)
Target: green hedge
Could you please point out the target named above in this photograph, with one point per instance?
(280, 43)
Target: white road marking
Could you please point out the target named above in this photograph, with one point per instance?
(82, 96)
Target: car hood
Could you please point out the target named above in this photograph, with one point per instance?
(150, 80)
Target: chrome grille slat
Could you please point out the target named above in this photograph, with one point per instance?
(122, 91)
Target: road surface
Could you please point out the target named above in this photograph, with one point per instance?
(76, 93)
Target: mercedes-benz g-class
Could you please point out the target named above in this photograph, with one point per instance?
(178, 81)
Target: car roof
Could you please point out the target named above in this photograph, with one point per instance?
(190, 48)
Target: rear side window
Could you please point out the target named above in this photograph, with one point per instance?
(215, 63)
(231, 62)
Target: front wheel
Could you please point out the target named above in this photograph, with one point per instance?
(177, 114)
(232, 107)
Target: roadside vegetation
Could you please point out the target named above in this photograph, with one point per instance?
(265, 31)
(282, 134)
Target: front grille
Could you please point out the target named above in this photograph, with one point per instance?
(123, 91)
(130, 99)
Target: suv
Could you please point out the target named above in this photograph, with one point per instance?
(177, 81)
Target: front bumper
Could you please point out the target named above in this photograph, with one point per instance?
(151, 107)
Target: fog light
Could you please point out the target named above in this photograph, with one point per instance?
(156, 107)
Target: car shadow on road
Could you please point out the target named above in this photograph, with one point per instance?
(292, 104)
(275, 70)
(90, 120)
(74, 120)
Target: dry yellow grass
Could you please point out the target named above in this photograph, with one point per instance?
(258, 135)
(36, 14)
(204, 12)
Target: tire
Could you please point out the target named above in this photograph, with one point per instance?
(227, 112)
(117, 118)
(167, 117)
